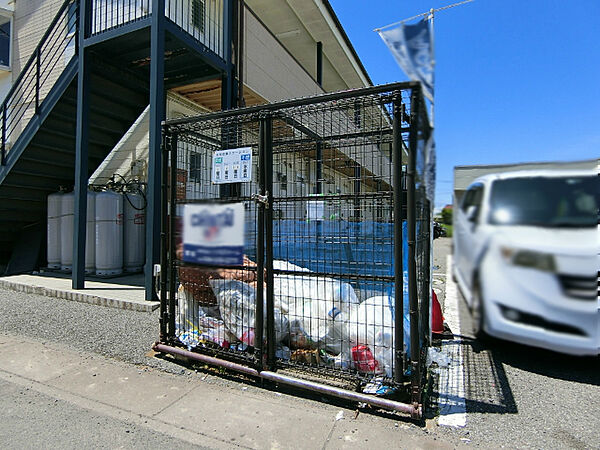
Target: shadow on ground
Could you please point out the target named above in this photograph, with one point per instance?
(544, 362)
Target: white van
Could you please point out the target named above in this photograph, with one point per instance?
(527, 259)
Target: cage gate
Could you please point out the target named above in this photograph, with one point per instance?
(332, 292)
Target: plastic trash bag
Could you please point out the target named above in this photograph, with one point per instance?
(196, 324)
(237, 305)
(317, 308)
(371, 324)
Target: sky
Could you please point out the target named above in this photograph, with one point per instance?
(515, 80)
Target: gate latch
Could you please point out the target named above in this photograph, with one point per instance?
(264, 199)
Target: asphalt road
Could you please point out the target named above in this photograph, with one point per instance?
(516, 396)
(519, 396)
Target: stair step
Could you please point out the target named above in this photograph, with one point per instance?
(68, 139)
(28, 216)
(41, 150)
(117, 91)
(20, 195)
(33, 170)
(104, 107)
(99, 125)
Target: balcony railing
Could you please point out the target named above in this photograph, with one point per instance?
(39, 74)
(202, 19)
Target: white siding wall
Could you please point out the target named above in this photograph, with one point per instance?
(269, 69)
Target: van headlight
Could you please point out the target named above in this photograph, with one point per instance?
(529, 258)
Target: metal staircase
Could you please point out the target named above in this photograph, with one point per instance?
(38, 116)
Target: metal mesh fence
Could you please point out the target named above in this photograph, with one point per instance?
(317, 290)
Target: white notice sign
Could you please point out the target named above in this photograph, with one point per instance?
(315, 209)
(233, 165)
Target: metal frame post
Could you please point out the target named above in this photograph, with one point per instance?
(38, 62)
(239, 60)
(172, 233)
(320, 63)
(426, 291)
(357, 180)
(228, 83)
(268, 132)
(398, 265)
(164, 241)
(157, 115)
(260, 247)
(319, 168)
(3, 162)
(81, 151)
(319, 149)
(411, 229)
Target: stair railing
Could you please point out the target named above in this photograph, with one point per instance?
(48, 60)
(202, 19)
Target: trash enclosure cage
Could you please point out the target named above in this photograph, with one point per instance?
(296, 243)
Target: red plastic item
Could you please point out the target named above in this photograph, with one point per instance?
(364, 361)
(437, 319)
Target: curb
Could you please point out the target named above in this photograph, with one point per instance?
(80, 297)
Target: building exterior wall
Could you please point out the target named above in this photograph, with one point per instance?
(269, 69)
(31, 20)
(465, 175)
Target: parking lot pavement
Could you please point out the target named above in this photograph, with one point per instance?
(86, 370)
(515, 396)
(519, 396)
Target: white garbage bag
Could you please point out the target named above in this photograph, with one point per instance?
(237, 305)
(372, 324)
(317, 308)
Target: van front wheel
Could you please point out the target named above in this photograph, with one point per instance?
(478, 313)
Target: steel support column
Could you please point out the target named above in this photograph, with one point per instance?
(157, 115)
(320, 63)
(319, 156)
(81, 149)
(411, 219)
(229, 88)
(398, 266)
(357, 181)
(270, 299)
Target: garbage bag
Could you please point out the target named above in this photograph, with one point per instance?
(371, 324)
(317, 308)
(195, 323)
(237, 305)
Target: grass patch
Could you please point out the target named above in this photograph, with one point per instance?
(448, 229)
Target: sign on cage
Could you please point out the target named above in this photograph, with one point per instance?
(213, 234)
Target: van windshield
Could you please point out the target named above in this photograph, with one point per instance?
(545, 201)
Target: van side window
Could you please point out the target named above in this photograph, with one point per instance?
(473, 197)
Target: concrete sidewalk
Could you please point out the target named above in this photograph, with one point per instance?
(105, 401)
(125, 292)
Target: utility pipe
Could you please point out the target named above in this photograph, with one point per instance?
(415, 412)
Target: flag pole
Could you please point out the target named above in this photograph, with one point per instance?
(431, 13)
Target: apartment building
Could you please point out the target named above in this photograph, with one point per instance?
(86, 84)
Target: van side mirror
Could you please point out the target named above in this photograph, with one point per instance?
(472, 213)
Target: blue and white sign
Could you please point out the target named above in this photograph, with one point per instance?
(233, 165)
(214, 234)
